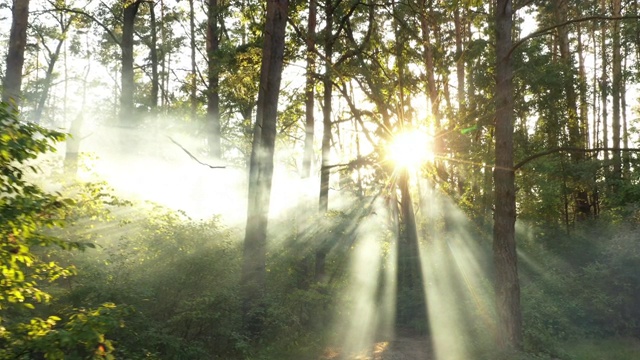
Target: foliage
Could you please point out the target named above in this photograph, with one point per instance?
(28, 215)
(594, 297)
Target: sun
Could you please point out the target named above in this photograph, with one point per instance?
(410, 149)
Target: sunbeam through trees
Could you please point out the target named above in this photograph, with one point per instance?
(320, 179)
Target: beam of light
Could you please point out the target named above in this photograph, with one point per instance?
(368, 309)
(457, 290)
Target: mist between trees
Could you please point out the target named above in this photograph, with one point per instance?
(322, 179)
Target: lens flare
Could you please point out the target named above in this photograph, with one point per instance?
(411, 149)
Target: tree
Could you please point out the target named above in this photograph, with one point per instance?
(261, 165)
(616, 89)
(130, 10)
(15, 56)
(309, 90)
(213, 94)
(507, 286)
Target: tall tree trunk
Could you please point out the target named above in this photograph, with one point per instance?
(192, 32)
(15, 56)
(261, 166)
(615, 92)
(459, 25)
(626, 157)
(409, 270)
(507, 286)
(127, 76)
(325, 171)
(213, 94)
(163, 63)
(583, 87)
(433, 96)
(153, 54)
(72, 151)
(604, 82)
(309, 92)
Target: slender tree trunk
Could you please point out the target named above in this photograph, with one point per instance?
(163, 62)
(604, 82)
(309, 91)
(253, 279)
(127, 76)
(15, 56)
(192, 33)
(325, 171)
(584, 101)
(626, 157)
(213, 94)
(615, 91)
(409, 271)
(507, 286)
(433, 96)
(153, 54)
(72, 151)
(459, 25)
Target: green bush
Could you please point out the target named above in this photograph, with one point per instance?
(29, 219)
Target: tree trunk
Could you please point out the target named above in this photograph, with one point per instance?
(213, 94)
(626, 157)
(127, 78)
(192, 34)
(459, 25)
(15, 56)
(325, 171)
(433, 96)
(153, 54)
(507, 286)
(615, 92)
(309, 91)
(72, 150)
(604, 85)
(411, 293)
(261, 166)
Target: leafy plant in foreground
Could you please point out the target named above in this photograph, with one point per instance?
(27, 212)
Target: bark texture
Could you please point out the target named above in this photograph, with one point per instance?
(507, 286)
(128, 85)
(15, 56)
(253, 279)
(213, 95)
(309, 91)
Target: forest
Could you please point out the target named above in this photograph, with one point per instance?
(320, 179)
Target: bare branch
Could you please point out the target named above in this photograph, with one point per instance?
(193, 157)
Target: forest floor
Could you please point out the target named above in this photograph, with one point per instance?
(404, 346)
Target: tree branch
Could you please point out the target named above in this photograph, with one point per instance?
(193, 157)
(548, 29)
(568, 149)
(92, 18)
